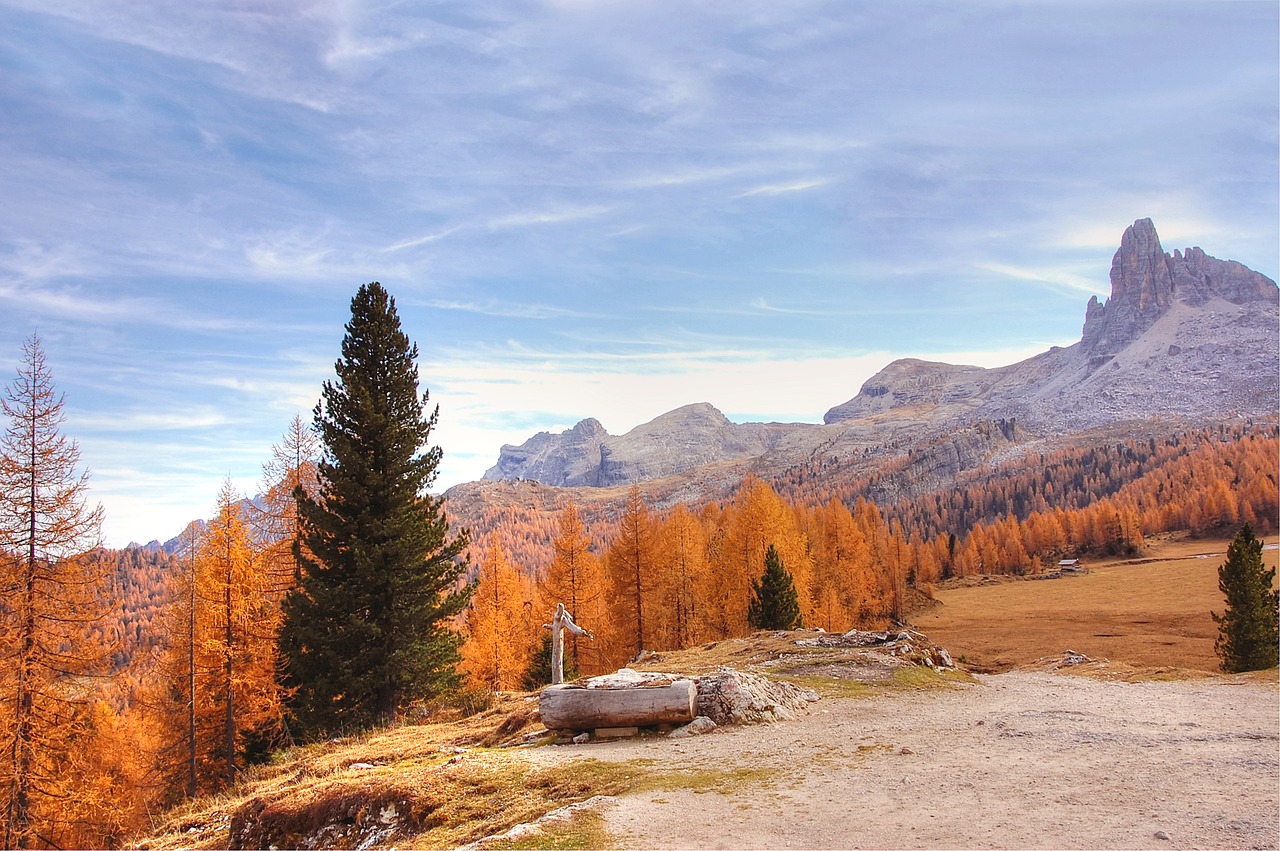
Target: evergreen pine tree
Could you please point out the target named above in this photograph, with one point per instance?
(1249, 629)
(368, 626)
(774, 604)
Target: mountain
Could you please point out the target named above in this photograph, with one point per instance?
(1184, 336)
(588, 456)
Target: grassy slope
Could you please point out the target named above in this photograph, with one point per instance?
(1149, 612)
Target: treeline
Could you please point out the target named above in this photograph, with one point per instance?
(665, 580)
(1073, 477)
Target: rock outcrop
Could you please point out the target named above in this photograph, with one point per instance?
(569, 458)
(911, 383)
(737, 697)
(1146, 282)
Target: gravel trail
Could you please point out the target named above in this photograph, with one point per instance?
(1019, 760)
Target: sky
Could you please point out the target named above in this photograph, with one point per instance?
(586, 207)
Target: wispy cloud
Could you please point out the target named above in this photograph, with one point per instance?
(513, 309)
(785, 188)
(75, 302)
(425, 239)
(1058, 278)
(685, 176)
(553, 216)
(144, 421)
(762, 304)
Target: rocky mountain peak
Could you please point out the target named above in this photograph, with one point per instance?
(1146, 281)
(590, 428)
(701, 413)
(1141, 291)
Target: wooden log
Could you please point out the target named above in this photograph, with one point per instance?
(575, 708)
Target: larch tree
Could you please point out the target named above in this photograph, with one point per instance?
(223, 699)
(630, 568)
(758, 519)
(369, 625)
(51, 596)
(239, 641)
(275, 519)
(1249, 628)
(499, 645)
(681, 556)
(576, 579)
(180, 668)
(842, 574)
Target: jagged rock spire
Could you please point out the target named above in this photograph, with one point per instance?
(1145, 282)
(1141, 291)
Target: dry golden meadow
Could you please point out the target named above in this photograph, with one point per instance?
(1150, 612)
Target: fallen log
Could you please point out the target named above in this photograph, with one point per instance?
(564, 707)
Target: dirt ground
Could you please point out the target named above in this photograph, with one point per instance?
(1019, 760)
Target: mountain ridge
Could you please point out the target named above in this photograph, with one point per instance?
(1183, 336)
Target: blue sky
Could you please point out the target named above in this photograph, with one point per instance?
(601, 209)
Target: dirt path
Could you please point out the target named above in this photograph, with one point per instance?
(1021, 760)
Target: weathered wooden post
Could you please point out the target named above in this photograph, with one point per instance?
(562, 621)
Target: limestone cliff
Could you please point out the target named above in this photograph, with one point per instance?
(1146, 282)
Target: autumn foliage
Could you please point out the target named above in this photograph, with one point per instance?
(675, 578)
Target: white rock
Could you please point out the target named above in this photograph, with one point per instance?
(697, 727)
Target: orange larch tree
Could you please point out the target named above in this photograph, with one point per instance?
(222, 656)
(629, 567)
(500, 637)
(52, 599)
(757, 519)
(681, 564)
(575, 578)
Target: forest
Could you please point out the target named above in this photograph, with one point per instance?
(137, 678)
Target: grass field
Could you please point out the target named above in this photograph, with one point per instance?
(1147, 612)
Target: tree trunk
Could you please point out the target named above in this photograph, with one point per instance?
(574, 708)
(230, 730)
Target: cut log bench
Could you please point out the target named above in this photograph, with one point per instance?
(574, 707)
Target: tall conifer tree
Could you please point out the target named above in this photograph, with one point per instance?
(1249, 629)
(367, 628)
(52, 596)
(774, 604)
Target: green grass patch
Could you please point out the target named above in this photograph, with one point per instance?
(906, 678)
(911, 677)
(832, 686)
(700, 780)
(637, 776)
